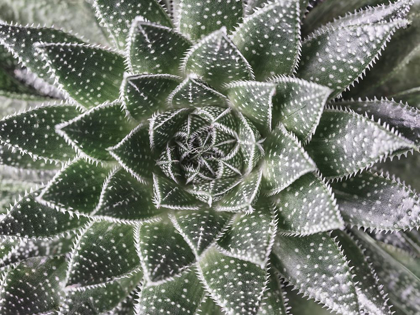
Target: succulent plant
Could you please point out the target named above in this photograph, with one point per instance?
(209, 157)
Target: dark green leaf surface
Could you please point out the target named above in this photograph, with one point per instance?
(273, 301)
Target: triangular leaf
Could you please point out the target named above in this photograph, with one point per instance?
(216, 59)
(273, 301)
(102, 252)
(180, 295)
(76, 187)
(251, 236)
(346, 143)
(162, 250)
(148, 48)
(306, 207)
(316, 266)
(373, 201)
(235, 285)
(270, 39)
(143, 95)
(117, 16)
(201, 228)
(96, 130)
(33, 132)
(298, 105)
(90, 76)
(197, 19)
(284, 161)
(254, 101)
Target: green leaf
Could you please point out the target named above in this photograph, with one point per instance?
(180, 295)
(298, 105)
(270, 39)
(273, 301)
(306, 207)
(217, 61)
(251, 236)
(404, 118)
(192, 92)
(300, 305)
(346, 143)
(370, 29)
(90, 76)
(162, 250)
(33, 286)
(169, 195)
(97, 299)
(235, 285)
(254, 100)
(316, 266)
(10, 189)
(197, 19)
(144, 95)
(242, 198)
(13, 158)
(372, 299)
(200, 229)
(156, 49)
(209, 307)
(76, 187)
(373, 201)
(117, 16)
(125, 198)
(20, 42)
(284, 161)
(93, 132)
(134, 155)
(402, 286)
(101, 253)
(30, 219)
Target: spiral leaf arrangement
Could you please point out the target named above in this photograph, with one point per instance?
(207, 163)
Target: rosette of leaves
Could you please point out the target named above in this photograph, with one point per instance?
(202, 164)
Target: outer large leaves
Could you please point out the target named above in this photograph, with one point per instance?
(345, 143)
(315, 265)
(270, 39)
(90, 75)
(373, 201)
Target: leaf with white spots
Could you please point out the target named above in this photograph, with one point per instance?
(19, 41)
(134, 155)
(76, 187)
(200, 228)
(301, 305)
(148, 48)
(243, 197)
(33, 286)
(192, 92)
(273, 301)
(143, 95)
(10, 189)
(284, 161)
(306, 207)
(254, 101)
(97, 299)
(179, 296)
(316, 266)
(358, 41)
(102, 252)
(162, 250)
(270, 39)
(33, 132)
(30, 219)
(373, 201)
(251, 236)
(298, 105)
(404, 118)
(15, 159)
(345, 143)
(209, 307)
(372, 299)
(117, 15)
(89, 75)
(235, 285)
(125, 198)
(93, 132)
(217, 61)
(196, 19)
